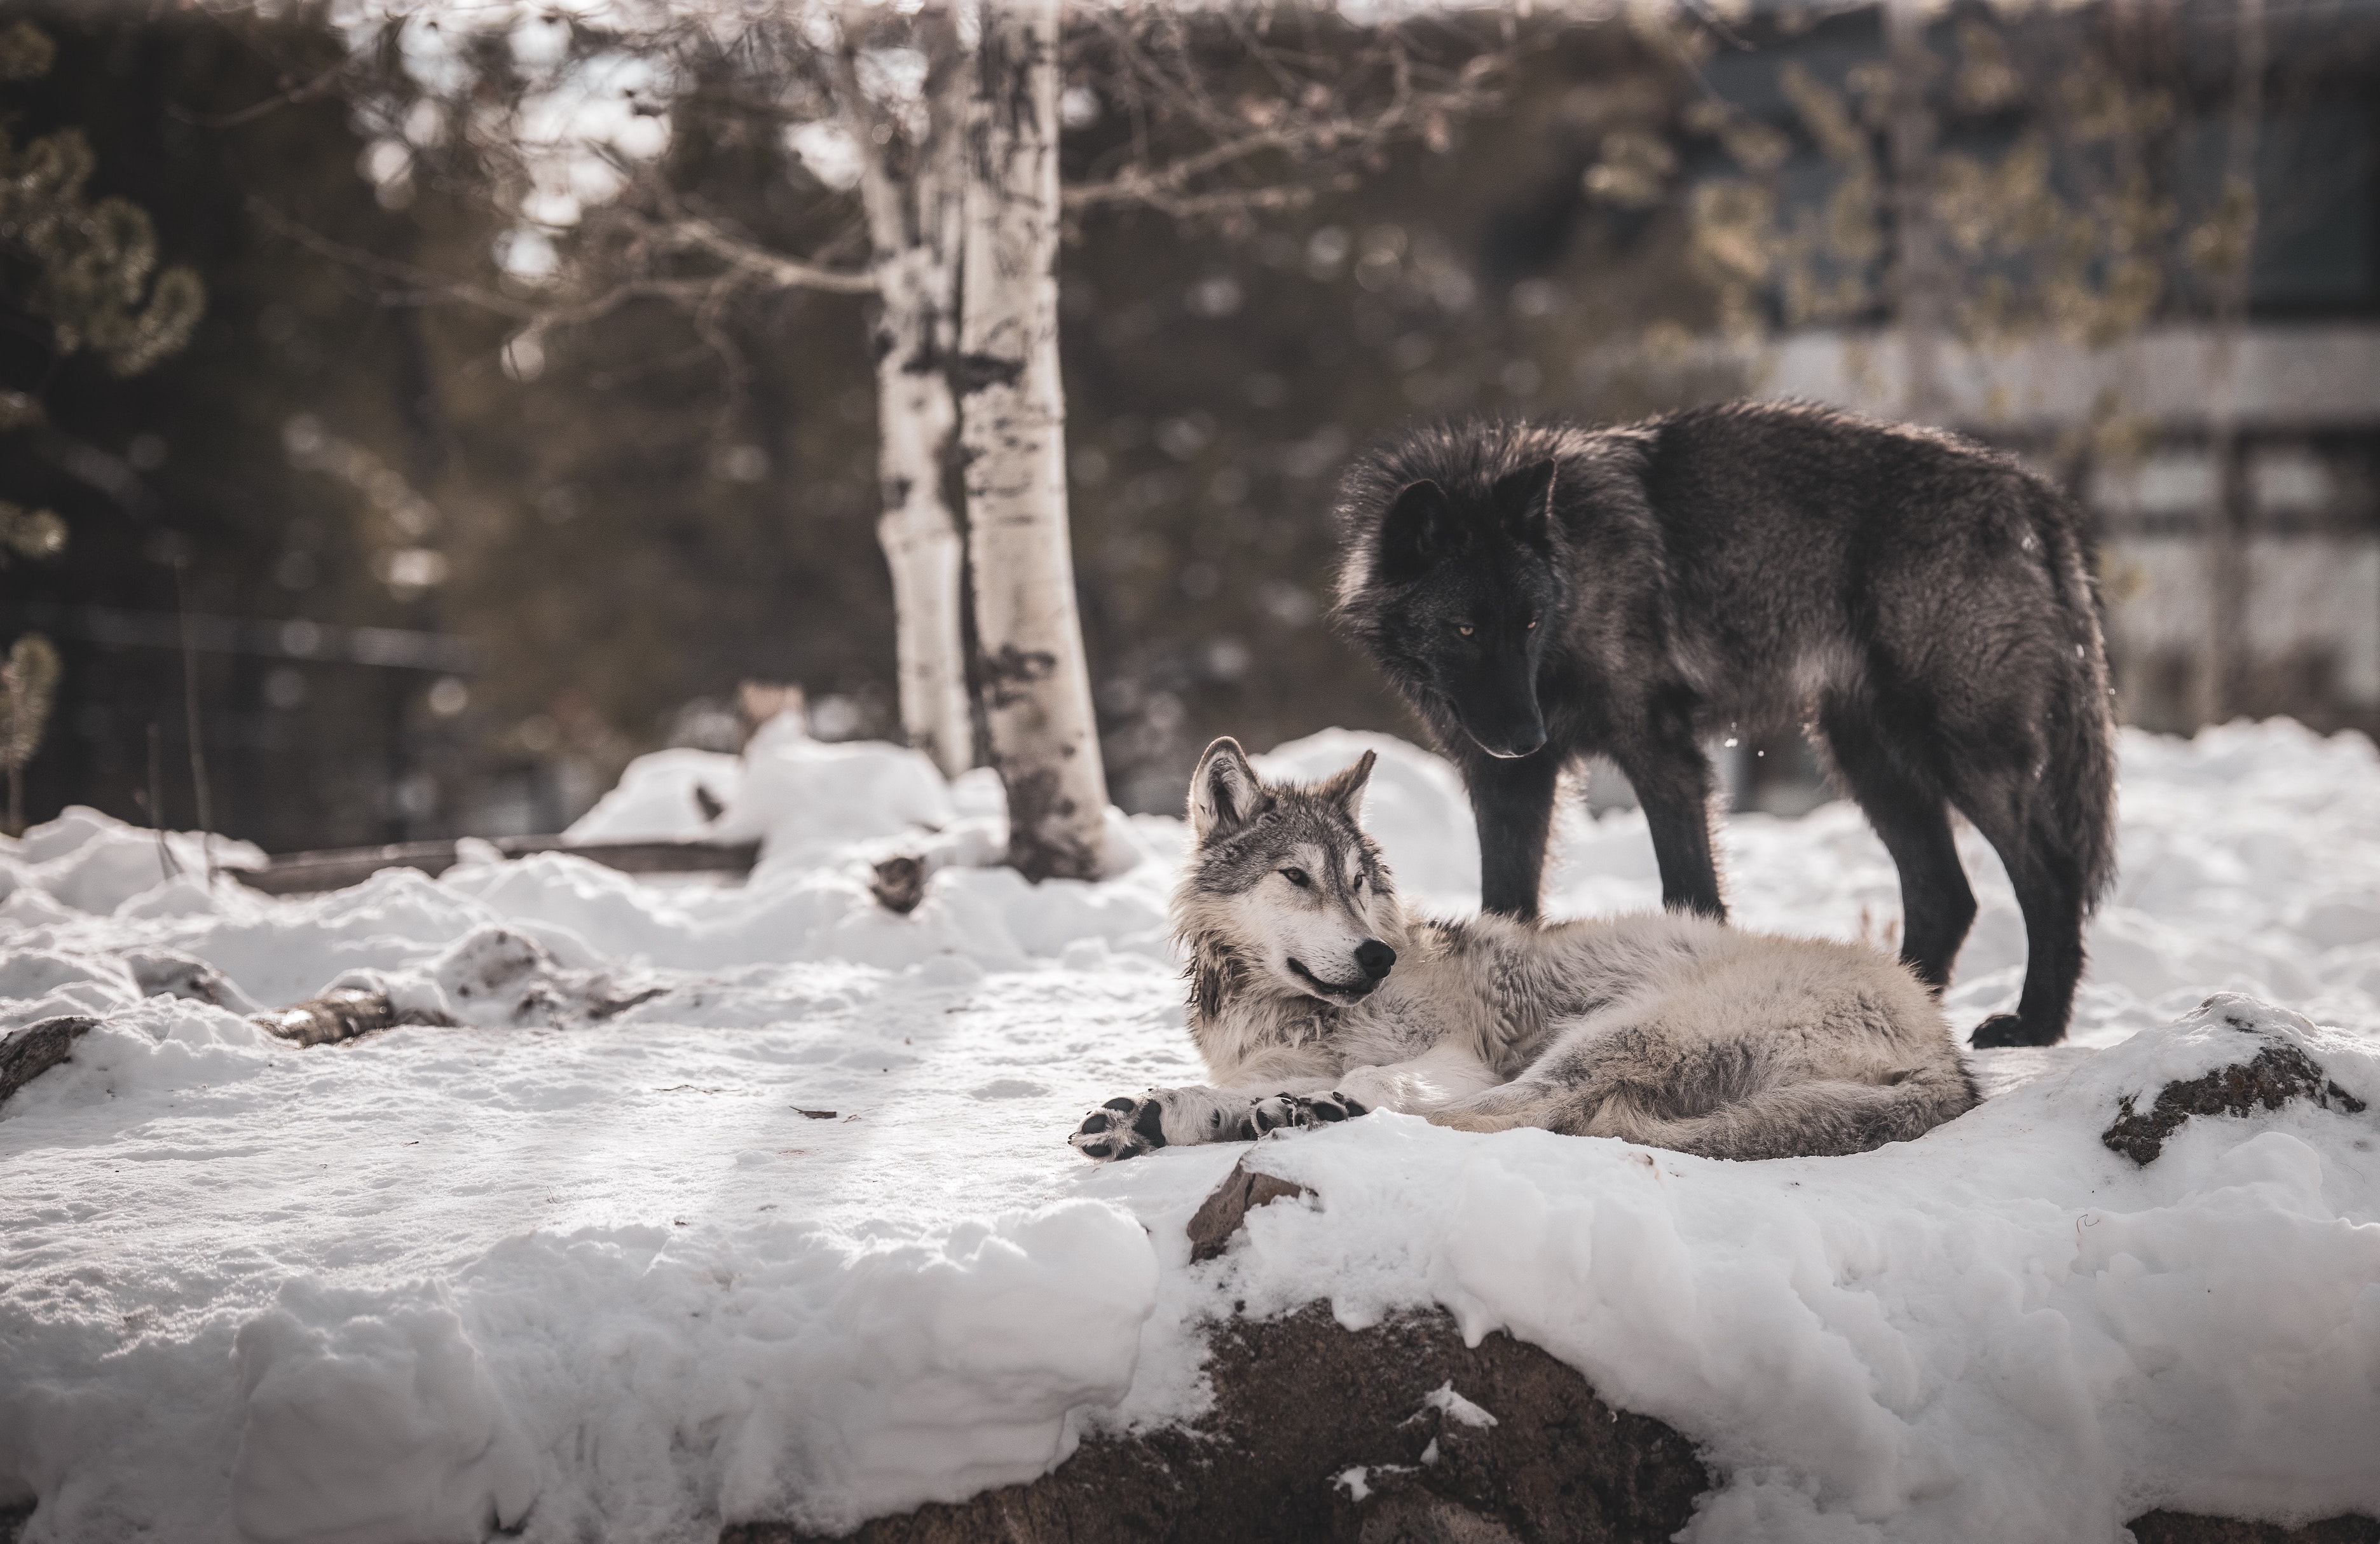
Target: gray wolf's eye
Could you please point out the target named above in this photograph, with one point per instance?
(1297, 877)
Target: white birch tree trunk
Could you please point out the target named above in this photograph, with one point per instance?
(915, 417)
(914, 228)
(1012, 419)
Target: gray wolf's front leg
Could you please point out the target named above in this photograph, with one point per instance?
(1127, 1127)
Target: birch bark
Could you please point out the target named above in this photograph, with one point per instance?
(913, 221)
(1036, 686)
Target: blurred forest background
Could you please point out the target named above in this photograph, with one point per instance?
(436, 575)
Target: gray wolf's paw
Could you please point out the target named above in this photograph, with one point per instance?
(1302, 1109)
(1122, 1128)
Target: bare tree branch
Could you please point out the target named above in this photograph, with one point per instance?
(770, 268)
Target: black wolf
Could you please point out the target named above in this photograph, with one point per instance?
(1923, 604)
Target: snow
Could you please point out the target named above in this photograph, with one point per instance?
(728, 1201)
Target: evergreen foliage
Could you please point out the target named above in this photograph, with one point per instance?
(88, 267)
(29, 685)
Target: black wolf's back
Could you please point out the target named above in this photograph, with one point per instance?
(1756, 547)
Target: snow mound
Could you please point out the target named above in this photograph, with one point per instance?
(715, 1202)
(95, 862)
(805, 798)
(660, 798)
(369, 1418)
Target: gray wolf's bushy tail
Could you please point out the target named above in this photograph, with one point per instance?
(1823, 1118)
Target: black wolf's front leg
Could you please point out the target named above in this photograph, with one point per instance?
(1512, 803)
(1672, 779)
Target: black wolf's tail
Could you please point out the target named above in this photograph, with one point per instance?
(2077, 811)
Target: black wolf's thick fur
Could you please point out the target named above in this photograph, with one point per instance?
(1544, 593)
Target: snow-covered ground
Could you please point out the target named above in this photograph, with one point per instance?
(738, 1202)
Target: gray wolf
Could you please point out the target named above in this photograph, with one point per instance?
(1315, 998)
(1921, 605)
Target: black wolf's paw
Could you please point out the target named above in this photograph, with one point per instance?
(1122, 1128)
(1302, 1109)
(2002, 1030)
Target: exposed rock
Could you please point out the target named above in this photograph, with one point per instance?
(2278, 1073)
(2181, 1527)
(899, 884)
(1299, 1404)
(1219, 1215)
(34, 1050)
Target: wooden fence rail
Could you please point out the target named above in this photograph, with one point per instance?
(294, 874)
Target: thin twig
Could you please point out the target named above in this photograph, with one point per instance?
(319, 86)
(167, 867)
(190, 713)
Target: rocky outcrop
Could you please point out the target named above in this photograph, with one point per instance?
(2276, 1073)
(1319, 1432)
(1219, 1216)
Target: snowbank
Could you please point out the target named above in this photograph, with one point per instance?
(2005, 1331)
(752, 1200)
(95, 862)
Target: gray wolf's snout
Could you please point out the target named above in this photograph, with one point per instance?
(1375, 958)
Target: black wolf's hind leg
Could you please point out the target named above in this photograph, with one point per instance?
(2052, 903)
(1513, 802)
(2048, 883)
(1911, 816)
(1672, 779)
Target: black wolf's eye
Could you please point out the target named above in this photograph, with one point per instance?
(1533, 624)
(1466, 628)
(1297, 877)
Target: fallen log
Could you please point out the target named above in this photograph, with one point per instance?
(338, 1014)
(298, 874)
(2184, 1528)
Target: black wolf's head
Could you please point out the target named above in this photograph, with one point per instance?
(1284, 889)
(1450, 580)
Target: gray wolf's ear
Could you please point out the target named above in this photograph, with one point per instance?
(1224, 792)
(1525, 500)
(1345, 786)
(1419, 532)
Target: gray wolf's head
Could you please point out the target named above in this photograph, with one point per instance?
(1284, 883)
(1450, 576)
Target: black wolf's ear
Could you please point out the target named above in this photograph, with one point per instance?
(1525, 501)
(1224, 792)
(1419, 532)
(1345, 786)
